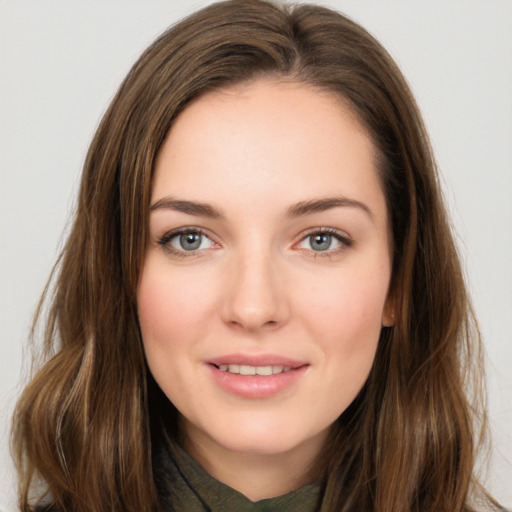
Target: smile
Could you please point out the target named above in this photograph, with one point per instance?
(256, 377)
(242, 369)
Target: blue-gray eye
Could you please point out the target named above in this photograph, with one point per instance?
(320, 241)
(190, 241)
(324, 242)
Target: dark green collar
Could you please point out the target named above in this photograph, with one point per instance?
(184, 486)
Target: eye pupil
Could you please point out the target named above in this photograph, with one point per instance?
(320, 242)
(190, 241)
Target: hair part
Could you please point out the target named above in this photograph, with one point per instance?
(407, 443)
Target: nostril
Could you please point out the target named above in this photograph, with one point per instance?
(254, 300)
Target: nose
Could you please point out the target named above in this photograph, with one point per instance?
(255, 296)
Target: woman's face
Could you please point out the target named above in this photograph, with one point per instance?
(266, 277)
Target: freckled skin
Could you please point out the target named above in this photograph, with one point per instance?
(257, 287)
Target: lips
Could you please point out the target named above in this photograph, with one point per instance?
(261, 360)
(256, 377)
(263, 371)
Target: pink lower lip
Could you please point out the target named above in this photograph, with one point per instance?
(256, 386)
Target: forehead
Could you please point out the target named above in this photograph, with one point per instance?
(267, 141)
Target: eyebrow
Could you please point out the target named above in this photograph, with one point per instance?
(188, 207)
(321, 205)
(295, 210)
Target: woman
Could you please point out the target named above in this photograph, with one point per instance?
(259, 303)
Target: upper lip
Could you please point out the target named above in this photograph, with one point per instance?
(256, 360)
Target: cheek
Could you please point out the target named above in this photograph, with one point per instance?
(346, 324)
(346, 320)
(170, 306)
(350, 304)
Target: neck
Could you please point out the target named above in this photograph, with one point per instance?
(256, 475)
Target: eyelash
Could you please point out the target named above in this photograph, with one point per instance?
(164, 240)
(345, 241)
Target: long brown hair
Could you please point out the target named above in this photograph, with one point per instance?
(82, 427)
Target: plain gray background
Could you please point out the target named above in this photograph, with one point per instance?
(61, 62)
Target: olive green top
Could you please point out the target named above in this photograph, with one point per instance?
(184, 486)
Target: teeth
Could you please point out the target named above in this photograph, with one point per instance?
(247, 370)
(244, 369)
(264, 370)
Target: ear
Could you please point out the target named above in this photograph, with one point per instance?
(388, 314)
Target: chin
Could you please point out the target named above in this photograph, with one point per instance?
(265, 436)
(255, 445)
